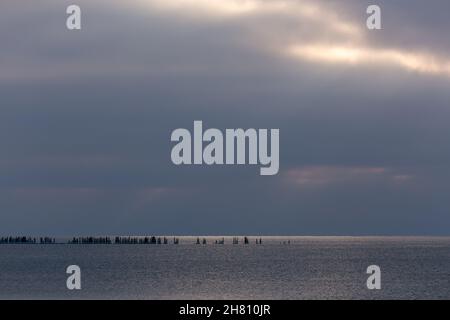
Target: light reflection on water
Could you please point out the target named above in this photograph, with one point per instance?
(308, 268)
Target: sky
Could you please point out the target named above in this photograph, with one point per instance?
(86, 117)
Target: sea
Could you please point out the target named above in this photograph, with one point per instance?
(279, 268)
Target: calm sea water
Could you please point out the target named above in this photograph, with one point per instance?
(308, 268)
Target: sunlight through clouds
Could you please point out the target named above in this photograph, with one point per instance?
(326, 25)
(360, 55)
(308, 10)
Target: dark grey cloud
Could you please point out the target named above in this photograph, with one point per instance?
(86, 117)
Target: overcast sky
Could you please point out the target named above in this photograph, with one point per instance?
(86, 117)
